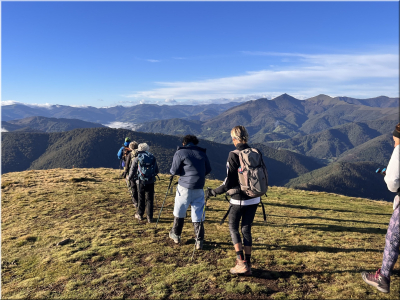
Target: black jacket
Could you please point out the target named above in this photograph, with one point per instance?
(232, 178)
(192, 165)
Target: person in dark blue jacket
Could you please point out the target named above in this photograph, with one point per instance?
(192, 165)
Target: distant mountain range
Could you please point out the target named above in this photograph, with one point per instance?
(283, 118)
(98, 147)
(133, 114)
(42, 124)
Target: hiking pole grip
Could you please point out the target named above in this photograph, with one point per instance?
(166, 194)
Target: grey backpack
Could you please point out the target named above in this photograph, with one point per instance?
(253, 174)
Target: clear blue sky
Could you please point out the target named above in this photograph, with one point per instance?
(113, 53)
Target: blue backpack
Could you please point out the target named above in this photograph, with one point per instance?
(146, 167)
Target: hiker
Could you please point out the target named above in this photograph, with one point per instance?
(381, 279)
(145, 168)
(122, 152)
(191, 163)
(133, 146)
(242, 206)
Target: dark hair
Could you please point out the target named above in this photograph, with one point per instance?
(396, 132)
(190, 139)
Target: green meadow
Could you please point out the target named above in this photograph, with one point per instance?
(313, 246)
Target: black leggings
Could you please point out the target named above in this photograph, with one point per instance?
(246, 213)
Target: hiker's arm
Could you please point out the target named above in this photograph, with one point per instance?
(120, 153)
(392, 171)
(128, 159)
(156, 167)
(208, 166)
(133, 170)
(232, 177)
(176, 164)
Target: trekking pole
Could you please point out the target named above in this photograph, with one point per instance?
(201, 225)
(166, 194)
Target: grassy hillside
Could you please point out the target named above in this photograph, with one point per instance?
(378, 150)
(351, 179)
(44, 124)
(332, 143)
(98, 147)
(314, 245)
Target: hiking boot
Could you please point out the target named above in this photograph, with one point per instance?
(377, 280)
(138, 217)
(199, 245)
(241, 267)
(248, 273)
(174, 237)
(149, 220)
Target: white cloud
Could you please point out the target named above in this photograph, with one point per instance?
(12, 102)
(123, 125)
(9, 102)
(153, 60)
(170, 101)
(355, 75)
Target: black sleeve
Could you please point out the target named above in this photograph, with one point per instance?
(127, 160)
(208, 166)
(232, 177)
(133, 169)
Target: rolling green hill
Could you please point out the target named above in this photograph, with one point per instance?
(313, 246)
(44, 124)
(98, 147)
(378, 150)
(332, 143)
(351, 179)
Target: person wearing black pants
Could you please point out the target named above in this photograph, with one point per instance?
(145, 186)
(242, 207)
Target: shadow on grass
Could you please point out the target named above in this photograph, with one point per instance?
(295, 248)
(270, 274)
(329, 219)
(327, 209)
(328, 228)
(336, 228)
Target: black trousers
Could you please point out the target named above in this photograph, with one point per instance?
(134, 190)
(246, 213)
(146, 199)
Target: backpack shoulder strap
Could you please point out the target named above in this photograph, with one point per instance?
(263, 209)
(236, 151)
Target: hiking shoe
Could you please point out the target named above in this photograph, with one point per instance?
(241, 267)
(149, 220)
(174, 237)
(248, 273)
(377, 280)
(199, 245)
(138, 217)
